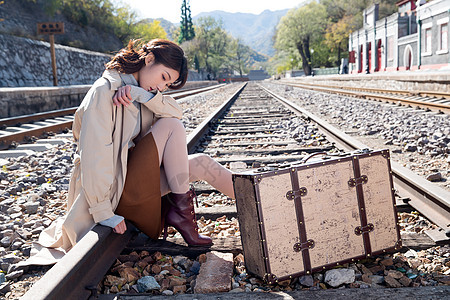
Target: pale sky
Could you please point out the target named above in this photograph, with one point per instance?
(171, 9)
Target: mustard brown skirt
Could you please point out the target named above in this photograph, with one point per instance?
(141, 198)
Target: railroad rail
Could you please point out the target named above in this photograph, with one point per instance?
(429, 100)
(248, 129)
(21, 128)
(432, 201)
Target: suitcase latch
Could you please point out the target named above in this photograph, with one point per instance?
(356, 181)
(360, 229)
(297, 193)
(303, 246)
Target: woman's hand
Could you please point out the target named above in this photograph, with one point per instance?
(122, 96)
(120, 228)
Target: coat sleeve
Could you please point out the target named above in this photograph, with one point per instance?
(161, 106)
(96, 152)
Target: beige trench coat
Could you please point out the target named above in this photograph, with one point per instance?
(102, 132)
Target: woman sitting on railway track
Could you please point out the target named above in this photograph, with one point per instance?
(132, 149)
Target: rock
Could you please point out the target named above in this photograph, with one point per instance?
(14, 275)
(10, 259)
(395, 274)
(2, 278)
(5, 287)
(376, 269)
(179, 289)
(392, 282)
(306, 280)
(202, 258)
(387, 261)
(195, 268)
(410, 148)
(147, 283)
(6, 241)
(434, 177)
(111, 280)
(365, 278)
(336, 277)
(411, 254)
(175, 280)
(167, 293)
(23, 233)
(405, 281)
(365, 270)
(414, 263)
(129, 274)
(377, 279)
(215, 274)
(178, 260)
(31, 207)
(16, 245)
(156, 269)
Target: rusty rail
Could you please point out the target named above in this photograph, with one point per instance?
(21, 134)
(393, 96)
(77, 274)
(430, 200)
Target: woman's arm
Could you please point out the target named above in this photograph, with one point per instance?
(162, 106)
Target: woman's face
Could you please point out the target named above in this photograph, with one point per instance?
(155, 76)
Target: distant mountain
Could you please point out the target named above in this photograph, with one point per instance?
(255, 30)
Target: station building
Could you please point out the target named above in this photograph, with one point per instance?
(416, 37)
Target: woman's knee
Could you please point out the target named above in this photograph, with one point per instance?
(172, 123)
(169, 125)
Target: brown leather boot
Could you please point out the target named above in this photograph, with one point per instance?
(181, 215)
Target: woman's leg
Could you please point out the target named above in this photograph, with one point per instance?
(170, 138)
(178, 168)
(203, 167)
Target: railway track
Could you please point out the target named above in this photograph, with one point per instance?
(429, 100)
(23, 128)
(252, 128)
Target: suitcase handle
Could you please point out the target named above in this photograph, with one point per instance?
(315, 154)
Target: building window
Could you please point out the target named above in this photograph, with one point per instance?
(443, 38)
(390, 48)
(427, 41)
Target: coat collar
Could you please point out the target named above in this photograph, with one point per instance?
(117, 79)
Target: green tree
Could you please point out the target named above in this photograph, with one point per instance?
(212, 42)
(239, 56)
(346, 16)
(186, 28)
(148, 31)
(299, 28)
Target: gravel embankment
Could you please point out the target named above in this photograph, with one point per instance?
(417, 139)
(34, 188)
(33, 191)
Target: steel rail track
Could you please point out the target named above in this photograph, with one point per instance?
(27, 129)
(436, 101)
(77, 274)
(430, 200)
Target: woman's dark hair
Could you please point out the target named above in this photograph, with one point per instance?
(164, 52)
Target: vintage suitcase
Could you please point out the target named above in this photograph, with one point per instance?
(316, 215)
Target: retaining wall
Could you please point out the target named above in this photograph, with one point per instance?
(27, 62)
